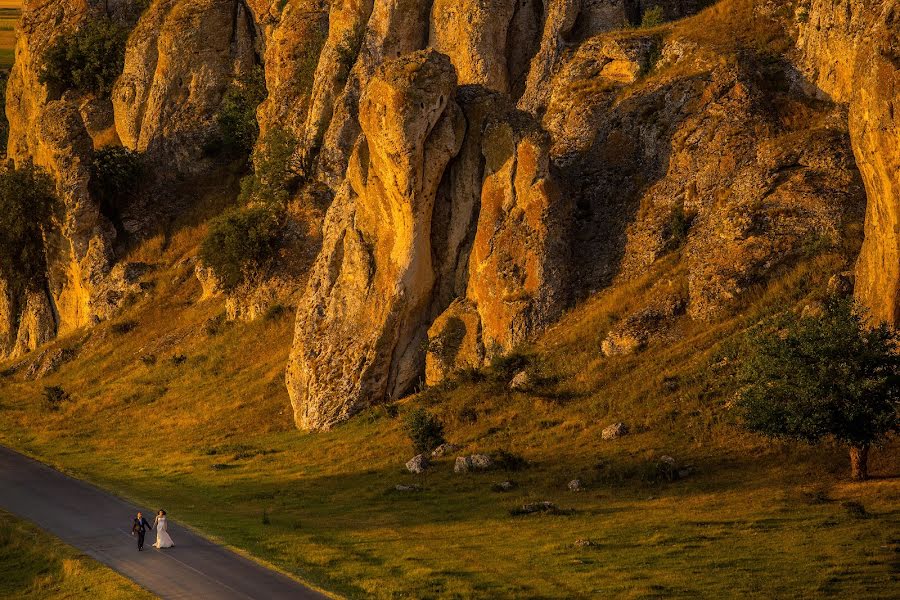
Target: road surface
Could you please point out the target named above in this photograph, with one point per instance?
(98, 524)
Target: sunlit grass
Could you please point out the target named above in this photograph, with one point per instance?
(34, 564)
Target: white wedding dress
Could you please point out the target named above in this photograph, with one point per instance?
(162, 534)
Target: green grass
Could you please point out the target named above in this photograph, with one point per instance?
(220, 452)
(36, 565)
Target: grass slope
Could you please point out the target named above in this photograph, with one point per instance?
(218, 450)
(35, 565)
(10, 10)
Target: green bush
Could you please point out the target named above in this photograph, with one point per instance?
(425, 431)
(115, 172)
(272, 179)
(236, 118)
(88, 60)
(653, 17)
(829, 376)
(54, 396)
(242, 241)
(26, 204)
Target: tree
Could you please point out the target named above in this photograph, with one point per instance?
(241, 242)
(814, 378)
(89, 60)
(26, 204)
(425, 430)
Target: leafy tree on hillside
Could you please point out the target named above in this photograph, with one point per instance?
(828, 377)
(425, 431)
(241, 242)
(236, 118)
(89, 60)
(26, 204)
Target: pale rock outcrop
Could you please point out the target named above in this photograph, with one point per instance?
(454, 342)
(518, 268)
(292, 54)
(851, 52)
(37, 323)
(180, 59)
(474, 36)
(363, 319)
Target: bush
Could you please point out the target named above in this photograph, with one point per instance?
(26, 203)
(236, 118)
(272, 178)
(425, 431)
(240, 242)
(115, 172)
(89, 60)
(54, 396)
(829, 376)
(653, 17)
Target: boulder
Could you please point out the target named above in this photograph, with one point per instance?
(472, 463)
(407, 488)
(520, 382)
(418, 464)
(576, 486)
(443, 450)
(503, 486)
(614, 431)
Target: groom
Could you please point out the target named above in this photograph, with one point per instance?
(139, 527)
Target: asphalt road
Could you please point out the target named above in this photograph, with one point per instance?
(99, 524)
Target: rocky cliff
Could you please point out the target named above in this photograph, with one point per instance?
(480, 166)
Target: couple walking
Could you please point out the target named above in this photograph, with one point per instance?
(140, 526)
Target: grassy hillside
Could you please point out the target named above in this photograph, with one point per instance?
(171, 406)
(217, 448)
(9, 17)
(36, 565)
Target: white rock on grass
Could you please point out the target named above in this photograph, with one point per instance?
(418, 464)
(614, 431)
(475, 462)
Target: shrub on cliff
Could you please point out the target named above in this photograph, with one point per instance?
(26, 202)
(88, 60)
(114, 173)
(829, 376)
(272, 179)
(425, 431)
(236, 118)
(242, 242)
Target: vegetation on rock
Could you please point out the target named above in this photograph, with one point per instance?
(425, 431)
(829, 376)
(271, 180)
(242, 243)
(238, 127)
(115, 172)
(27, 200)
(88, 60)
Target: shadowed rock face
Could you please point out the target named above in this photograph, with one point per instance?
(851, 51)
(363, 320)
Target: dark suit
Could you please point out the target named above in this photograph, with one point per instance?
(140, 527)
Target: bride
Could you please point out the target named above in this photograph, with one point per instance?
(162, 531)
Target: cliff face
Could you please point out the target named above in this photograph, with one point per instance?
(488, 163)
(851, 53)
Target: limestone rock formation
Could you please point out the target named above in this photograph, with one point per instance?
(362, 323)
(851, 52)
(180, 59)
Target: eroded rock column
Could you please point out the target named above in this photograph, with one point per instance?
(362, 323)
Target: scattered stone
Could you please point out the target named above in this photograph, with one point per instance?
(443, 450)
(418, 464)
(584, 543)
(503, 486)
(475, 462)
(813, 310)
(614, 431)
(521, 382)
(576, 486)
(408, 488)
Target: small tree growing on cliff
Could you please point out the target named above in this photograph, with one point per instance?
(812, 378)
(88, 60)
